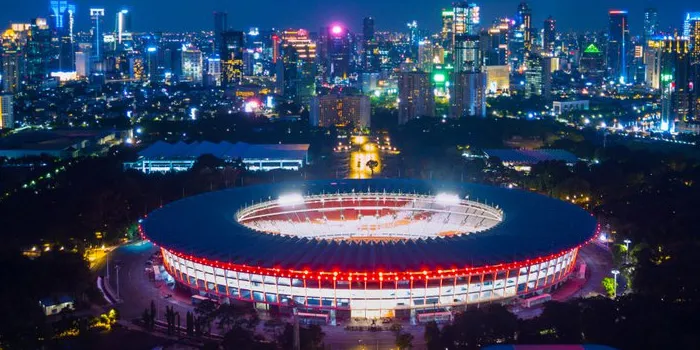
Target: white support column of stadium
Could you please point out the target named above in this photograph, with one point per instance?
(481, 290)
(411, 303)
(250, 281)
(306, 294)
(381, 294)
(505, 284)
(439, 292)
(365, 297)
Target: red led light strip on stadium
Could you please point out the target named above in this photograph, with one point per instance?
(368, 275)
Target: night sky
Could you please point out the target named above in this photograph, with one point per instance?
(180, 15)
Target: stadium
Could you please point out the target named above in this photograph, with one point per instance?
(369, 248)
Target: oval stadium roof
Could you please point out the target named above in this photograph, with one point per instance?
(533, 226)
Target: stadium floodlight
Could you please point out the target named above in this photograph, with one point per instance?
(290, 199)
(447, 198)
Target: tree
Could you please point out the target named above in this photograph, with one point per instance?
(404, 340)
(431, 336)
(372, 164)
(564, 322)
(146, 319)
(153, 313)
(170, 319)
(189, 324)
(311, 338)
(609, 285)
(206, 313)
(396, 328)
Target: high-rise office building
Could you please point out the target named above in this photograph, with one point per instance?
(82, 64)
(448, 19)
(523, 21)
(689, 18)
(231, 54)
(468, 94)
(652, 62)
(368, 29)
(297, 68)
(220, 26)
(97, 19)
(286, 76)
(12, 62)
(549, 35)
(337, 109)
(651, 23)
(192, 65)
(538, 76)
(592, 62)
(694, 39)
(494, 43)
(369, 46)
(300, 41)
(467, 56)
(58, 9)
(675, 80)
(466, 18)
(7, 120)
(618, 44)
(122, 25)
(338, 51)
(429, 54)
(153, 67)
(416, 97)
(40, 53)
(137, 68)
(213, 71)
(534, 75)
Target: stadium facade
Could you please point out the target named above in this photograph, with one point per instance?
(370, 248)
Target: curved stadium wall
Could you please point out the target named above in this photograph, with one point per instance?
(339, 251)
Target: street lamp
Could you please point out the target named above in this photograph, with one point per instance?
(627, 250)
(615, 273)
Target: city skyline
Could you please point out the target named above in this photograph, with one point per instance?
(312, 14)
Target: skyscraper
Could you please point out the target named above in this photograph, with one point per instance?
(297, 68)
(538, 76)
(340, 110)
(468, 94)
(675, 83)
(231, 54)
(689, 17)
(369, 45)
(651, 23)
(338, 50)
(618, 44)
(416, 97)
(592, 62)
(220, 26)
(523, 20)
(467, 56)
(368, 29)
(97, 20)
(7, 119)
(549, 35)
(11, 71)
(299, 40)
(448, 19)
(466, 17)
(58, 9)
(40, 53)
(192, 65)
(122, 25)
